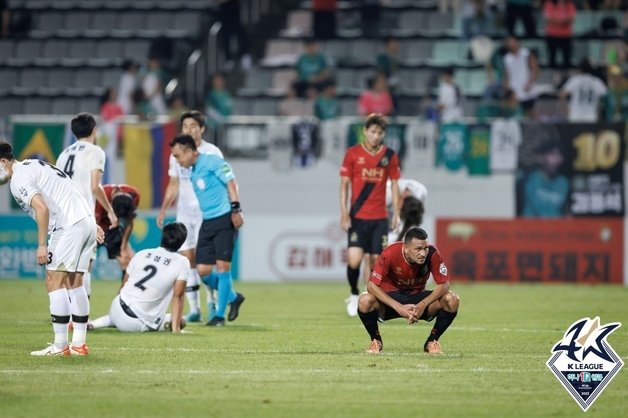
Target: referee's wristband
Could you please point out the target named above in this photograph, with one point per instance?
(235, 207)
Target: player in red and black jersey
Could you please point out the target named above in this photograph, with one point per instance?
(124, 199)
(396, 289)
(365, 169)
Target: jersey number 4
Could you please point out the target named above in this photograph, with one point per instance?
(150, 273)
(69, 166)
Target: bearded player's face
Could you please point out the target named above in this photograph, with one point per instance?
(416, 251)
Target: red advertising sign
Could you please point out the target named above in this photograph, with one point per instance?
(533, 250)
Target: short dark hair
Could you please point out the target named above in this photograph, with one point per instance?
(414, 233)
(376, 119)
(585, 66)
(194, 114)
(184, 140)
(122, 204)
(83, 125)
(173, 236)
(6, 150)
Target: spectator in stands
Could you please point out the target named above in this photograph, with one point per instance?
(292, 105)
(584, 90)
(110, 109)
(495, 74)
(520, 10)
(388, 61)
(324, 19)
(153, 88)
(229, 16)
(444, 6)
(219, 103)
(127, 86)
(559, 16)
(312, 68)
(449, 97)
(377, 98)
(522, 69)
(176, 108)
(509, 106)
(370, 12)
(327, 105)
(475, 18)
(5, 19)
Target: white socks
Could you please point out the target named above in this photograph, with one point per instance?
(60, 312)
(79, 304)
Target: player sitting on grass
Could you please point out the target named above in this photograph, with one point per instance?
(396, 289)
(154, 277)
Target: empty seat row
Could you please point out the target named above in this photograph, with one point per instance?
(111, 4)
(34, 105)
(57, 80)
(71, 52)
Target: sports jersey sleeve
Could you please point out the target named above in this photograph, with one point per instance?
(97, 161)
(347, 165)
(184, 271)
(394, 171)
(222, 170)
(379, 270)
(23, 188)
(172, 167)
(438, 268)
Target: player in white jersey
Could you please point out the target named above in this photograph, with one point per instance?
(189, 213)
(60, 210)
(84, 163)
(153, 278)
(584, 91)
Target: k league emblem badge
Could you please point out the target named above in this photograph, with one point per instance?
(584, 362)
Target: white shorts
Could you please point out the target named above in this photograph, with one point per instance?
(125, 323)
(71, 249)
(193, 225)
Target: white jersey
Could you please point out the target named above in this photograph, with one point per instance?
(449, 98)
(584, 91)
(152, 275)
(187, 203)
(518, 69)
(416, 188)
(65, 201)
(504, 145)
(78, 161)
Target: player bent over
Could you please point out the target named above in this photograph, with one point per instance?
(396, 289)
(154, 277)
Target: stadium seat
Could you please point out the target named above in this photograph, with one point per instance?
(110, 49)
(105, 20)
(264, 107)
(77, 20)
(415, 51)
(111, 77)
(158, 20)
(49, 21)
(88, 78)
(185, 20)
(82, 49)
(36, 106)
(10, 106)
(241, 106)
(65, 106)
(90, 104)
(33, 78)
(131, 21)
(136, 49)
(412, 21)
(6, 50)
(8, 79)
(25, 52)
(282, 79)
(60, 77)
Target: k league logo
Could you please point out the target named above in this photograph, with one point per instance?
(584, 362)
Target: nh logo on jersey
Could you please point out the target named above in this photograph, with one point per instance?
(584, 362)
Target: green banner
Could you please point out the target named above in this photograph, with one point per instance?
(42, 141)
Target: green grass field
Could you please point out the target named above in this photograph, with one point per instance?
(294, 353)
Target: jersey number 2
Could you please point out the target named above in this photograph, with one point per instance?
(150, 273)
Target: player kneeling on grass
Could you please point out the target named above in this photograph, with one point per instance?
(396, 289)
(153, 278)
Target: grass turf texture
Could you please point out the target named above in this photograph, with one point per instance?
(294, 352)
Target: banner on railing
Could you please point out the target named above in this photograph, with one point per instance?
(571, 169)
(536, 251)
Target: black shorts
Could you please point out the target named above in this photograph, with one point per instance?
(370, 235)
(113, 241)
(405, 298)
(216, 240)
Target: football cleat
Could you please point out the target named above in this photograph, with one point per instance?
(216, 322)
(234, 307)
(193, 317)
(79, 350)
(52, 350)
(375, 347)
(432, 347)
(352, 305)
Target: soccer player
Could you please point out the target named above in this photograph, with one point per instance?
(397, 289)
(124, 200)
(365, 169)
(189, 213)
(59, 209)
(216, 189)
(154, 277)
(84, 163)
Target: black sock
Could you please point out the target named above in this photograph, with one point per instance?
(443, 321)
(353, 275)
(369, 320)
(123, 272)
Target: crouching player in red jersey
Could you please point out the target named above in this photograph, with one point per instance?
(396, 289)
